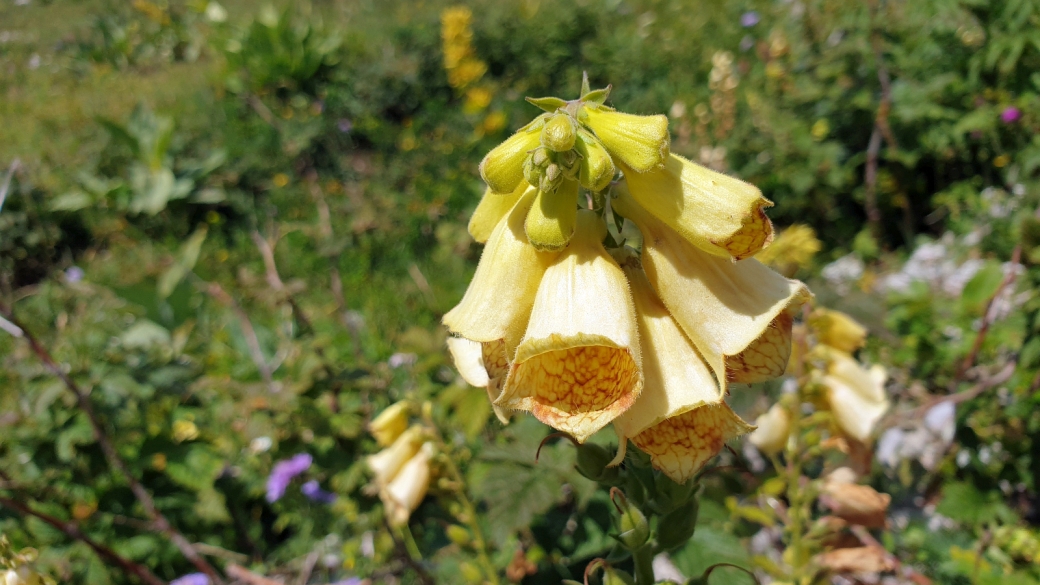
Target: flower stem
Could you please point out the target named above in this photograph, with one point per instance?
(644, 564)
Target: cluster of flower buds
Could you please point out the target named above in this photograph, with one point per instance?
(402, 469)
(566, 323)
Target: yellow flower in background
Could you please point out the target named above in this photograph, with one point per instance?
(390, 424)
(774, 427)
(838, 330)
(856, 395)
(460, 60)
(792, 249)
(401, 472)
(556, 324)
(407, 489)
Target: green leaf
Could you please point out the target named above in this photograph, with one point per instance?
(71, 201)
(709, 546)
(962, 502)
(186, 259)
(982, 286)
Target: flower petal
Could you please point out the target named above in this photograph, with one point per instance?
(715, 212)
(640, 142)
(550, 223)
(490, 211)
(387, 463)
(498, 301)
(503, 168)
(767, 357)
(774, 428)
(406, 491)
(681, 445)
(722, 306)
(675, 377)
(856, 397)
(578, 365)
(484, 365)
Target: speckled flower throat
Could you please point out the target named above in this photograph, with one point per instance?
(617, 285)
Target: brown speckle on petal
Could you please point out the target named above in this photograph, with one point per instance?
(766, 357)
(681, 445)
(755, 233)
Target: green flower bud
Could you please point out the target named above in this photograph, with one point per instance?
(550, 222)
(634, 530)
(458, 535)
(596, 169)
(592, 462)
(503, 168)
(559, 133)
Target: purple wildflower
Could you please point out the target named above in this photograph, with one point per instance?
(344, 125)
(749, 19)
(191, 579)
(284, 471)
(313, 491)
(1010, 115)
(74, 274)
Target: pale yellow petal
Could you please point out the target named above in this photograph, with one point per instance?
(774, 428)
(469, 360)
(490, 211)
(680, 446)
(717, 213)
(387, 463)
(767, 357)
(675, 377)
(496, 360)
(838, 330)
(856, 396)
(578, 365)
(722, 306)
(390, 423)
(498, 301)
(406, 491)
(640, 142)
(550, 223)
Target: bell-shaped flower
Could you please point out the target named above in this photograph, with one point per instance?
(387, 463)
(483, 365)
(838, 330)
(856, 395)
(498, 302)
(737, 314)
(774, 428)
(406, 491)
(578, 365)
(503, 168)
(679, 418)
(717, 213)
(490, 211)
(390, 424)
(639, 142)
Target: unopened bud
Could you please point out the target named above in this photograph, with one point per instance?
(390, 423)
(641, 142)
(502, 168)
(550, 222)
(634, 530)
(458, 535)
(592, 461)
(596, 168)
(559, 133)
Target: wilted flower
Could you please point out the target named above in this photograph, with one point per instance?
(283, 473)
(580, 335)
(1010, 115)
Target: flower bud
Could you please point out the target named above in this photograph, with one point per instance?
(404, 493)
(634, 530)
(390, 423)
(596, 170)
(458, 535)
(838, 330)
(550, 223)
(773, 429)
(592, 462)
(502, 168)
(558, 133)
(387, 463)
(641, 142)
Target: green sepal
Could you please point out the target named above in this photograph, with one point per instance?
(633, 527)
(598, 97)
(550, 222)
(592, 462)
(549, 104)
(676, 528)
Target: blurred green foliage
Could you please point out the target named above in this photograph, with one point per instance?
(237, 227)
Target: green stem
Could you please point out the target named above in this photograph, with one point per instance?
(468, 509)
(644, 564)
(409, 544)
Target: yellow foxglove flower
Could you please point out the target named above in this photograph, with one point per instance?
(483, 365)
(640, 142)
(715, 212)
(596, 169)
(406, 491)
(390, 424)
(503, 167)
(838, 330)
(498, 302)
(722, 306)
(856, 395)
(388, 462)
(793, 248)
(774, 427)
(550, 223)
(676, 381)
(578, 366)
(490, 211)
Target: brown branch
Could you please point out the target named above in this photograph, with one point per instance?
(995, 380)
(114, 460)
(870, 204)
(217, 292)
(72, 530)
(882, 129)
(274, 280)
(969, 360)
